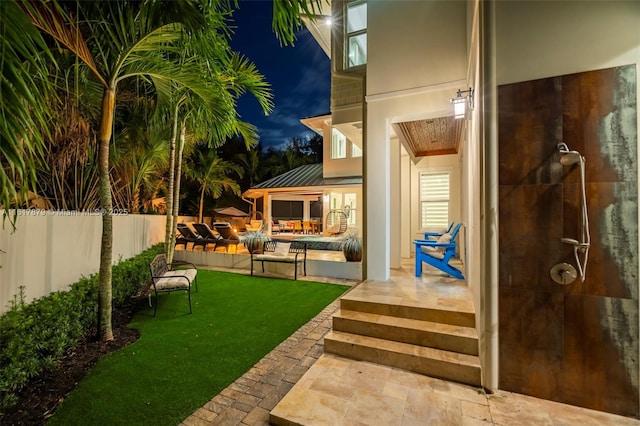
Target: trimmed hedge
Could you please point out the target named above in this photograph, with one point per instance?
(34, 336)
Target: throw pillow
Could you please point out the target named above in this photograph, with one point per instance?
(282, 249)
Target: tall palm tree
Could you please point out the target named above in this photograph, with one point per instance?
(229, 75)
(213, 174)
(117, 41)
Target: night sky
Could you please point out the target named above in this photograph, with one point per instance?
(299, 75)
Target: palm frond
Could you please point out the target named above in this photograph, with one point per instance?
(24, 89)
(61, 25)
(244, 77)
(287, 17)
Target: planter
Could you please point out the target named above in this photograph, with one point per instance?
(254, 241)
(352, 249)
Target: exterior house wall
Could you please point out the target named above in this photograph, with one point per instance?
(403, 85)
(415, 44)
(47, 252)
(569, 72)
(345, 92)
(342, 167)
(437, 163)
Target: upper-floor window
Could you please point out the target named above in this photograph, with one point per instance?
(338, 144)
(434, 200)
(356, 151)
(356, 35)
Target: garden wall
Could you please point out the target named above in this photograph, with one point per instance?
(49, 250)
(316, 268)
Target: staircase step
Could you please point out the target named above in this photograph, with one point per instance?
(443, 316)
(447, 337)
(438, 363)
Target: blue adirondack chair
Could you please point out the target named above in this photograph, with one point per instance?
(438, 254)
(429, 235)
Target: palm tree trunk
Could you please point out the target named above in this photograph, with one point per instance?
(135, 201)
(202, 191)
(176, 189)
(105, 332)
(169, 229)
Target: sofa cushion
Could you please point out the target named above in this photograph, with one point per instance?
(176, 279)
(276, 258)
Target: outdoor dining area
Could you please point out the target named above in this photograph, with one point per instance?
(309, 227)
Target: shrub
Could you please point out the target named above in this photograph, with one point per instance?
(34, 336)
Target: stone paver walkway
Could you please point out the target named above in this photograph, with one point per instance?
(249, 399)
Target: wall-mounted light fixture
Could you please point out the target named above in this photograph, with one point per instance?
(463, 99)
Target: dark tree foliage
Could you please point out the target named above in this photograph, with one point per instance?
(259, 165)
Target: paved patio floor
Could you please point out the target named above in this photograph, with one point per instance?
(379, 391)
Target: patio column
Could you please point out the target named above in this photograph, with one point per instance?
(377, 199)
(306, 208)
(395, 235)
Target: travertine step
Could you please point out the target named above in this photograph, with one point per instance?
(432, 362)
(443, 316)
(447, 337)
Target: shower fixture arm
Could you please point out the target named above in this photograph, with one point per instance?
(568, 158)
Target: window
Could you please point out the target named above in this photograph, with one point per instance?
(350, 208)
(338, 144)
(356, 37)
(356, 151)
(434, 200)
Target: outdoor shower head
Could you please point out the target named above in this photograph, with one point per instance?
(568, 157)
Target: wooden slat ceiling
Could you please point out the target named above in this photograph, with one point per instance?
(434, 136)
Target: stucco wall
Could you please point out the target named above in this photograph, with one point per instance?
(340, 167)
(414, 44)
(416, 61)
(48, 250)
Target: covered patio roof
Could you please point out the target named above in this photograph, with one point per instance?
(307, 177)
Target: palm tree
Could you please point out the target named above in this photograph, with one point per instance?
(115, 40)
(213, 174)
(251, 164)
(118, 41)
(138, 155)
(229, 75)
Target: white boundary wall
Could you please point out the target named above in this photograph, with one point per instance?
(49, 250)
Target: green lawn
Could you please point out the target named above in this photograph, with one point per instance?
(181, 361)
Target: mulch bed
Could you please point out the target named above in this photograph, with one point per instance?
(42, 395)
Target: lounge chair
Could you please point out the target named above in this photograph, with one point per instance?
(187, 236)
(205, 232)
(228, 234)
(285, 226)
(275, 228)
(438, 253)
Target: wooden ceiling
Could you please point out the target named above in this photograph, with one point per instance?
(433, 136)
